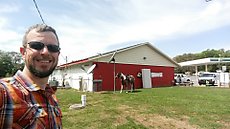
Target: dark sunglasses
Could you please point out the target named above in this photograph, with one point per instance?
(39, 46)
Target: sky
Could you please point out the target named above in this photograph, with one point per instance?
(89, 27)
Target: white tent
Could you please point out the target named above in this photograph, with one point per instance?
(204, 61)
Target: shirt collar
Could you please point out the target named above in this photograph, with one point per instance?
(28, 84)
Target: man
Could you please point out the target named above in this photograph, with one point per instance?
(26, 99)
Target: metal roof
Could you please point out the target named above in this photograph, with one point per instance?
(205, 61)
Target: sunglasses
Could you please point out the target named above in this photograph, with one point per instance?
(39, 46)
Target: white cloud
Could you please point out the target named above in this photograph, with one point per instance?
(213, 16)
(144, 20)
(88, 27)
(8, 37)
(8, 8)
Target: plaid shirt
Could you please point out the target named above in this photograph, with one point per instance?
(24, 105)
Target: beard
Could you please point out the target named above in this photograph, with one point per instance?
(40, 74)
(31, 65)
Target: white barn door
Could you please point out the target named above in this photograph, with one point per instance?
(146, 78)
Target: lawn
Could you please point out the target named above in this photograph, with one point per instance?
(167, 108)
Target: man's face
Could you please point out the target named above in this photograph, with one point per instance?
(41, 62)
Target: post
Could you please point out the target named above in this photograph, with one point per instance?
(196, 69)
(83, 100)
(114, 78)
(114, 70)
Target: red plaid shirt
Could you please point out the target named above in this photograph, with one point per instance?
(24, 105)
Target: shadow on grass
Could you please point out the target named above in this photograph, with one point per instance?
(118, 92)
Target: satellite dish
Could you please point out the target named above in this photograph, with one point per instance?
(112, 57)
(83, 68)
(91, 69)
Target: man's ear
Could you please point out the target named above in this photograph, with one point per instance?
(22, 50)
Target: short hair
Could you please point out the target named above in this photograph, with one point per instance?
(39, 28)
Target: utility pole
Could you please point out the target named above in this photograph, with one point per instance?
(64, 70)
(112, 59)
(66, 59)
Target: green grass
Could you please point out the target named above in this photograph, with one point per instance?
(171, 107)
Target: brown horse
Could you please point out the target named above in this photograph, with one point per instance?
(126, 80)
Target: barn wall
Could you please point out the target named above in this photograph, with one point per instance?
(105, 72)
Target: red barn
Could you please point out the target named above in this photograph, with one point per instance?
(97, 73)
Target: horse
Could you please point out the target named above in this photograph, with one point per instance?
(126, 80)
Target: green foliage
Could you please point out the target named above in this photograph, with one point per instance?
(5, 65)
(205, 54)
(10, 62)
(171, 107)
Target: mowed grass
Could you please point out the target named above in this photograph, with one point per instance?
(170, 107)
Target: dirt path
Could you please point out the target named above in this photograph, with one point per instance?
(153, 121)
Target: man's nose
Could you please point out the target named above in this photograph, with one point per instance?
(45, 50)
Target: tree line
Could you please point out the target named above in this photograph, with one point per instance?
(10, 62)
(209, 53)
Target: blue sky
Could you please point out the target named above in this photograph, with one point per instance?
(89, 27)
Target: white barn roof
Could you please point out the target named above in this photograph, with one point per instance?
(143, 53)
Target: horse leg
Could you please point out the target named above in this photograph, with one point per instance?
(131, 86)
(121, 88)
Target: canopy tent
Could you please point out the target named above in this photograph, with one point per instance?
(204, 61)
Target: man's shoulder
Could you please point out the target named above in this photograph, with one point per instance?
(4, 81)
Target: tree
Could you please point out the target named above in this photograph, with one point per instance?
(10, 62)
(5, 65)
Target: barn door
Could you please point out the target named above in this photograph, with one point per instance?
(146, 78)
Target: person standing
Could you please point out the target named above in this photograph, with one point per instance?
(26, 99)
